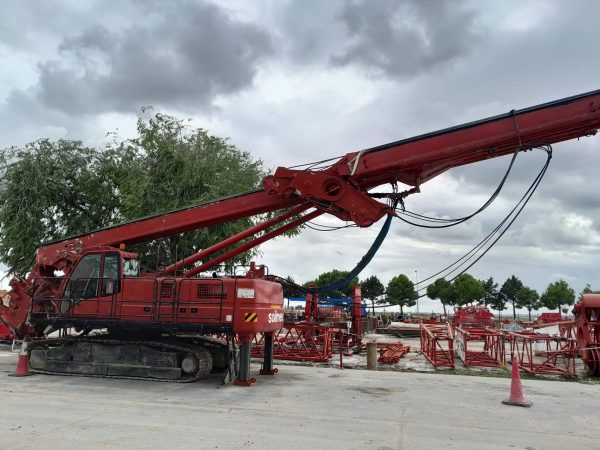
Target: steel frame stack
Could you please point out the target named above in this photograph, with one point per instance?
(391, 352)
(492, 354)
(299, 342)
(437, 344)
(558, 358)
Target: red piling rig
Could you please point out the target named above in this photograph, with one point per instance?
(557, 356)
(587, 313)
(299, 342)
(437, 344)
(391, 352)
(480, 347)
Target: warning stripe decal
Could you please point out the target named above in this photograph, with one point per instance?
(250, 317)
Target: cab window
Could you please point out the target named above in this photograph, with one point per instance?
(131, 267)
(84, 279)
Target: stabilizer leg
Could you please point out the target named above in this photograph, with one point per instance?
(267, 368)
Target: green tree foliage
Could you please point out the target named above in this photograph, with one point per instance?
(179, 166)
(557, 294)
(332, 276)
(528, 298)
(508, 292)
(401, 291)
(468, 289)
(588, 290)
(442, 290)
(372, 288)
(490, 292)
(51, 190)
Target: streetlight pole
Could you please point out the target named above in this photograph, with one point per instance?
(417, 283)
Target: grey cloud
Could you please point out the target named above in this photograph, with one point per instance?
(181, 54)
(400, 39)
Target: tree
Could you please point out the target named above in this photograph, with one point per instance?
(401, 291)
(468, 289)
(176, 166)
(508, 292)
(499, 304)
(528, 298)
(372, 289)
(490, 292)
(51, 190)
(557, 294)
(588, 290)
(327, 278)
(442, 290)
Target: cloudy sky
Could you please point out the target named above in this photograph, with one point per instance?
(297, 81)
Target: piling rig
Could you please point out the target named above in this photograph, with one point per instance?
(91, 281)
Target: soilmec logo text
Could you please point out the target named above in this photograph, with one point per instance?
(275, 317)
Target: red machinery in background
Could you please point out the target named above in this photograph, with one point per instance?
(549, 317)
(473, 317)
(315, 338)
(91, 281)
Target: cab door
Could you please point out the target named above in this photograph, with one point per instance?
(81, 290)
(93, 286)
(110, 285)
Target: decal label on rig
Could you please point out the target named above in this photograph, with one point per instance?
(245, 293)
(250, 317)
(275, 317)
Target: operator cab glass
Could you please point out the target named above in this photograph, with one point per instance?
(131, 267)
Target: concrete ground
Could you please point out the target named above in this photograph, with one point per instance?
(301, 407)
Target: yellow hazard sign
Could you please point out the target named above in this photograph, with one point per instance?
(250, 317)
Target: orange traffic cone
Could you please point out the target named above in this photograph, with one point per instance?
(516, 397)
(22, 369)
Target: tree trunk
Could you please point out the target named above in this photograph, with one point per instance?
(514, 311)
(373, 307)
(401, 311)
(529, 311)
(444, 305)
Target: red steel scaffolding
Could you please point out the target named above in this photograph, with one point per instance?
(437, 344)
(553, 356)
(480, 347)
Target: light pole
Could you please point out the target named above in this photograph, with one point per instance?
(417, 283)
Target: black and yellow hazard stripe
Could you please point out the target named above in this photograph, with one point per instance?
(250, 317)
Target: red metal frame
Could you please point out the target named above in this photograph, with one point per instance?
(299, 342)
(437, 344)
(556, 358)
(489, 353)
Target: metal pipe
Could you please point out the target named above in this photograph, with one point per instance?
(242, 248)
(233, 240)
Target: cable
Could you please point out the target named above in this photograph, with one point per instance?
(328, 227)
(514, 213)
(362, 263)
(453, 222)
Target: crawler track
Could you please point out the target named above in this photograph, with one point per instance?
(177, 361)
